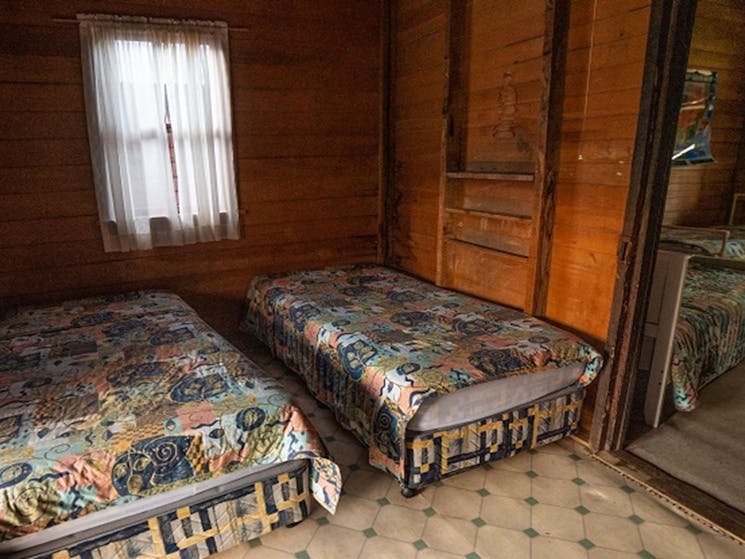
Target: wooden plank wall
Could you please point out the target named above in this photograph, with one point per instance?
(701, 194)
(417, 104)
(607, 42)
(306, 88)
(605, 61)
(510, 43)
(607, 46)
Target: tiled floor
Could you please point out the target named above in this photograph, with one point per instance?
(556, 502)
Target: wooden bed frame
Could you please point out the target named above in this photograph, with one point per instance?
(724, 233)
(659, 326)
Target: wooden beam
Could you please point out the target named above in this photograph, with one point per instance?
(455, 106)
(452, 100)
(547, 154)
(385, 137)
(670, 28)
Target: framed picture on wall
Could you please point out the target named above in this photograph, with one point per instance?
(693, 138)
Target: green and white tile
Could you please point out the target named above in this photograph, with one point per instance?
(556, 502)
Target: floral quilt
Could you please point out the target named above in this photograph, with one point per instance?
(710, 333)
(708, 242)
(373, 344)
(107, 400)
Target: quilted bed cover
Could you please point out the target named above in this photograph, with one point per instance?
(108, 400)
(373, 344)
(710, 333)
(708, 242)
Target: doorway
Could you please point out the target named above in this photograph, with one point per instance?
(620, 410)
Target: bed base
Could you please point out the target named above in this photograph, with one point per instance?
(204, 528)
(659, 327)
(434, 455)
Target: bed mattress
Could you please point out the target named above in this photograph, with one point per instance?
(481, 400)
(107, 401)
(377, 346)
(709, 335)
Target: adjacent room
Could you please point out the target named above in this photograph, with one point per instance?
(689, 414)
(372, 279)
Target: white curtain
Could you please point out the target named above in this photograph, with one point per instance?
(159, 122)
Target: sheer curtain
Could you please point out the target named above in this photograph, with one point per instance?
(159, 123)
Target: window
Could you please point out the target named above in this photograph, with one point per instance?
(159, 122)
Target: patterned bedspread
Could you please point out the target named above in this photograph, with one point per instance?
(708, 242)
(710, 332)
(373, 344)
(107, 400)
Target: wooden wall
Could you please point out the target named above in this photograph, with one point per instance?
(607, 46)
(417, 96)
(701, 194)
(605, 61)
(306, 88)
(607, 42)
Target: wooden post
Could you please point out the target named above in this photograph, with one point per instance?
(670, 29)
(385, 137)
(547, 154)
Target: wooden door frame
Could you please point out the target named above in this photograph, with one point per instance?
(670, 30)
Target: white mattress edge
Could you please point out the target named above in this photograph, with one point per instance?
(120, 516)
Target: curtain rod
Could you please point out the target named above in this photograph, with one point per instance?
(77, 21)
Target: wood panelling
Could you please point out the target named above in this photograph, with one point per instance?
(606, 50)
(607, 42)
(485, 273)
(701, 194)
(494, 46)
(417, 92)
(306, 90)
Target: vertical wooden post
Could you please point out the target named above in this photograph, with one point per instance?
(385, 135)
(669, 39)
(456, 88)
(547, 154)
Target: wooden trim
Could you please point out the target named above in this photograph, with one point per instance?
(489, 251)
(455, 15)
(484, 176)
(669, 39)
(489, 215)
(723, 233)
(389, 188)
(385, 136)
(737, 198)
(457, 71)
(547, 154)
(707, 510)
(153, 21)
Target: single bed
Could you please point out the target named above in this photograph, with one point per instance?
(129, 428)
(694, 331)
(432, 381)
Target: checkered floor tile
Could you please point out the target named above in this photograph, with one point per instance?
(555, 502)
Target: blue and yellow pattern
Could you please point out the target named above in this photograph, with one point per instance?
(107, 400)
(373, 344)
(199, 530)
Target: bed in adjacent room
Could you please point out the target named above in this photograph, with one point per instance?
(710, 333)
(432, 381)
(128, 427)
